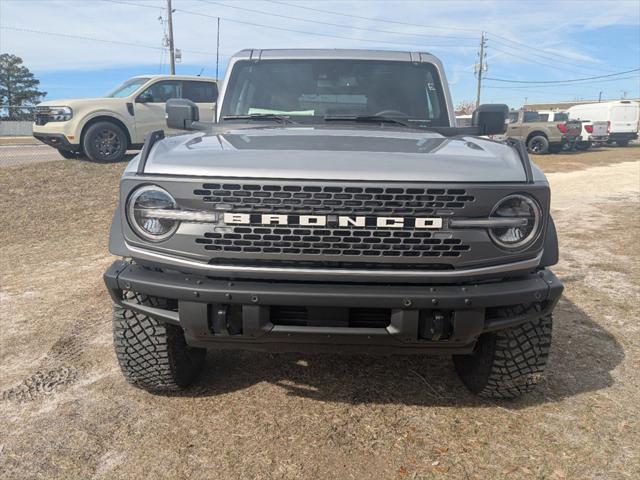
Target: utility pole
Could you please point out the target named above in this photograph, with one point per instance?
(172, 53)
(600, 96)
(480, 67)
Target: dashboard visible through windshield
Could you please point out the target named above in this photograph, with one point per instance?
(312, 90)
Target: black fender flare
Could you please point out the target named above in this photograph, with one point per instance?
(550, 253)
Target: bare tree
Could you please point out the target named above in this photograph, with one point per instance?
(466, 107)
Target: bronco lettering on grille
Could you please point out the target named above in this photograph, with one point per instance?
(336, 220)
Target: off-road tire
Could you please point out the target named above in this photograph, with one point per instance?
(69, 155)
(622, 143)
(538, 145)
(510, 362)
(153, 356)
(104, 142)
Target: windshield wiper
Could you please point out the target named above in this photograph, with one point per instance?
(261, 116)
(367, 119)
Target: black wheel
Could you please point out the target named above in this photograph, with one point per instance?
(583, 146)
(152, 355)
(507, 363)
(105, 142)
(622, 143)
(538, 145)
(69, 154)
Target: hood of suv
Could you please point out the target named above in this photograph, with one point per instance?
(336, 153)
(76, 102)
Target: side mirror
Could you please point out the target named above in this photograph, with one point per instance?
(490, 118)
(181, 114)
(144, 97)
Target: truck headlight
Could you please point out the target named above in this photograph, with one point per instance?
(517, 237)
(60, 114)
(147, 210)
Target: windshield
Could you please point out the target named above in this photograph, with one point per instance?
(311, 90)
(127, 88)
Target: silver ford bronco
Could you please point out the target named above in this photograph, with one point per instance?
(333, 205)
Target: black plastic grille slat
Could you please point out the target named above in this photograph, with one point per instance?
(326, 241)
(356, 317)
(310, 199)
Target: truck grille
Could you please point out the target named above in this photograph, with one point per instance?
(315, 199)
(367, 242)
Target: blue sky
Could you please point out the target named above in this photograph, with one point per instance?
(72, 45)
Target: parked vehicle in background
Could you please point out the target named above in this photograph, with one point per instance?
(592, 132)
(540, 135)
(104, 128)
(464, 120)
(334, 207)
(622, 117)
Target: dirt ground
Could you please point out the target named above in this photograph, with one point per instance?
(68, 413)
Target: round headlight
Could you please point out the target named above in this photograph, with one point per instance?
(526, 226)
(144, 212)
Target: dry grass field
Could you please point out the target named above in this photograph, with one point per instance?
(68, 413)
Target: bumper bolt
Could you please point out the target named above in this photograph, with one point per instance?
(406, 302)
(199, 282)
(127, 285)
(538, 296)
(254, 299)
(467, 301)
(228, 295)
(434, 301)
(196, 294)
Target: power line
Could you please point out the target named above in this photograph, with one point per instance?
(596, 82)
(552, 54)
(319, 22)
(474, 30)
(102, 40)
(301, 32)
(549, 63)
(562, 81)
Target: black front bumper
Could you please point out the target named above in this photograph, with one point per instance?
(56, 140)
(436, 319)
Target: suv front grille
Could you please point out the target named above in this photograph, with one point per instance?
(366, 242)
(315, 199)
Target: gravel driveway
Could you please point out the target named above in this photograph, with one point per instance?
(68, 413)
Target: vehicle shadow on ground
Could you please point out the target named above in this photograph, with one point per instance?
(582, 358)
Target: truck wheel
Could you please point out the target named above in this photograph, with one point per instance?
(507, 363)
(105, 142)
(622, 143)
(152, 355)
(538, 145)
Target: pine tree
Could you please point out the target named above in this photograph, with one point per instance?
(18, 88)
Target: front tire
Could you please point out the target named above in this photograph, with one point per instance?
(538, 145)
(509, 362)
(105, 142)
(153, 356)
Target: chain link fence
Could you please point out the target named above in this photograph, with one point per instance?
(17, 146)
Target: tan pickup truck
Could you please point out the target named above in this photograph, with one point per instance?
(104, 128)
(540, 135)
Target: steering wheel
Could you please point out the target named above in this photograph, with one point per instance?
(391, 113)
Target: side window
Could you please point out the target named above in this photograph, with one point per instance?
(200, 92)
(513, 117)
(162, 91)
(543, 117)
(530, 117)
